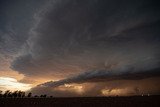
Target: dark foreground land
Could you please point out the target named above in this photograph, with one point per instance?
(134, 101)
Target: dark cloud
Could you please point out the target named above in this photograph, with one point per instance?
(101, 76)
(76, 36)
(111, 39)
(16, 18)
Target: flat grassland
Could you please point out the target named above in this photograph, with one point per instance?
(134, 101)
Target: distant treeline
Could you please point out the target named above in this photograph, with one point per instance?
(19, 94)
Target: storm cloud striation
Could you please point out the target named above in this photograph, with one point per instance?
(99, 40)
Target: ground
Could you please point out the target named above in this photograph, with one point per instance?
(134, 101)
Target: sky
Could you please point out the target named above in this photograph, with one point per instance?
(71, 48)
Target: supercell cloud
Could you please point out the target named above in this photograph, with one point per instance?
(79, 36)
(81, 41)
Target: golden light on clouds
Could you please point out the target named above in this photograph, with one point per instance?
(77, 88)
(8, 83)
(71, 87)
(114, 92)
(12, 74)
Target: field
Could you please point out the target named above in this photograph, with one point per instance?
(134, 101)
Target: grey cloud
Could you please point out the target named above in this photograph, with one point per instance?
(103, 75)
(16, 18)
(76, 36)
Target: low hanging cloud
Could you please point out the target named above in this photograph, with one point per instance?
(102, 88)
(103, 75)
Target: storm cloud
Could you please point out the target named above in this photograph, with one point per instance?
(96, 39)
(82, 35)
(16, 18)
(101, 76)
(102, 88)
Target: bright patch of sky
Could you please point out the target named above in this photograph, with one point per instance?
(12, 84)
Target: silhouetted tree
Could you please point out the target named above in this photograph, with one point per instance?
(9, 94)
(43, 96)
(29, 95)
(20, 93)
(15, 94)
(23, 94)
(51, 96)
(6, 93)
(36, 96)
(1, 93)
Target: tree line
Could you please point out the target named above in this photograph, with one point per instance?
(19, 94)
